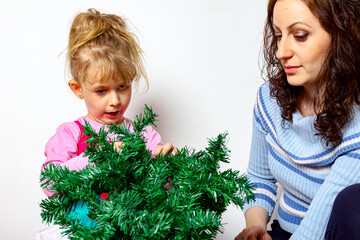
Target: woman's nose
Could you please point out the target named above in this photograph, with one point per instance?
(284, 50)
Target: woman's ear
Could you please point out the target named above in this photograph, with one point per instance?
(75, 88)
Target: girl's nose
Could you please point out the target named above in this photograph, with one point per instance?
(284, 50)
(114, 99)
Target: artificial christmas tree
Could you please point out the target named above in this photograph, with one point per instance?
(179, 196)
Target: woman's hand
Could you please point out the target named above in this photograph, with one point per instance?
(253, 233)
(164, 149)
(256, 222)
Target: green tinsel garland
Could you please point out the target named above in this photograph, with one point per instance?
(163, 197)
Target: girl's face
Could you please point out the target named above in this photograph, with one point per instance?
(106, 100)
(302, 44)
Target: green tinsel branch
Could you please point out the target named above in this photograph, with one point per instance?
(163, 197)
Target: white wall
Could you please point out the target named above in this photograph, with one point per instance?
(202, 59)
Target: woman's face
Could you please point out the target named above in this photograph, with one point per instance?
(302, 44)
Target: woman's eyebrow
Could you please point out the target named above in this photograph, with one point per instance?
(293, 24)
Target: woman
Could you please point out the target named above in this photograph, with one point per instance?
(306, 133)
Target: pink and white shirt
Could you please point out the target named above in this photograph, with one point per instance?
(62, 148)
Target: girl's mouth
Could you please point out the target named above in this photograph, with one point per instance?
(112, 114)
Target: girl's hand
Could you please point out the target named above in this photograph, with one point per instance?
(164, 149)
(253, 233)
(118, 145)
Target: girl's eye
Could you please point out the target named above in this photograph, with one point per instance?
(102, 91)
(122, 87)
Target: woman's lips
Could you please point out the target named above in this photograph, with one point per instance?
(291, 69)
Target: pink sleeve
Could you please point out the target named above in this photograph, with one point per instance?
(62, 149)
(153, 139)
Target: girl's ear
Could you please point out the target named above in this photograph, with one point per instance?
(75, 88)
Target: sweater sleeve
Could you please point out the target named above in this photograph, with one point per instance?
(62, 149)
(258, 170)
(153, 139)
(344, 172)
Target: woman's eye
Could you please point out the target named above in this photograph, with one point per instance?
(301, 37)
(122, 87)
(278, 37)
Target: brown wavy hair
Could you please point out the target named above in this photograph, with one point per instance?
(340, 74)
(104, 41)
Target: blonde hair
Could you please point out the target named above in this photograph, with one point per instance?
(103, 41)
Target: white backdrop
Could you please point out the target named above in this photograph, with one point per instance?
(202, 58)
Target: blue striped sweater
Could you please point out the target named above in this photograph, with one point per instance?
(293, 156)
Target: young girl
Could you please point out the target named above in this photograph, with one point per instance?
(104, 60)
